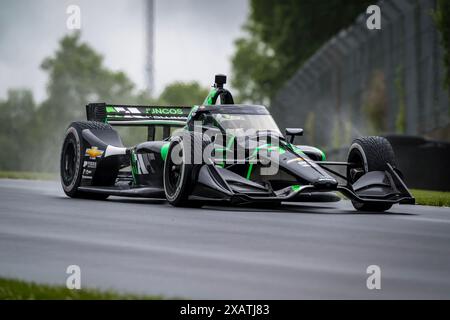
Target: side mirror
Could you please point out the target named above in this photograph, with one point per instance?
(293, 132)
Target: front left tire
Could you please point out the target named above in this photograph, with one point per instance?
(180, 171)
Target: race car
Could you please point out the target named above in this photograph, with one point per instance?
(218, 152)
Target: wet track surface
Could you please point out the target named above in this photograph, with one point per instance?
(311, 250)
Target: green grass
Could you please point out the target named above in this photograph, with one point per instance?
(28, 175)
(432, 198)
(12, 289)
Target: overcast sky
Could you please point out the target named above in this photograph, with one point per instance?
(193, 38)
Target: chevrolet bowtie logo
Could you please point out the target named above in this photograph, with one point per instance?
(93, 153)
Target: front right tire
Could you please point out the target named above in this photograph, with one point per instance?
(369, 154)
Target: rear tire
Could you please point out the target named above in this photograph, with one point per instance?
(369, 154)
(72, 157)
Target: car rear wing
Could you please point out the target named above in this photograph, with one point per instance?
(128, 115)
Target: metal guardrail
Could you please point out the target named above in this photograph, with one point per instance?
(394, 72)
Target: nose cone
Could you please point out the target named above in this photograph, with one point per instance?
(326, 183)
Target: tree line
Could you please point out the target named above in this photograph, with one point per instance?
(31, 134)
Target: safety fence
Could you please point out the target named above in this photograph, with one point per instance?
(371, 81)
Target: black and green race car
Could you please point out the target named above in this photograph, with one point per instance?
(218, 152)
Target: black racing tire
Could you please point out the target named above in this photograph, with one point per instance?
(266, 205)
(179, 177)
(71, 160)
(372, 207)
(369, 154)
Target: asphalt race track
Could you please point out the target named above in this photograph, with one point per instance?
(307, 250)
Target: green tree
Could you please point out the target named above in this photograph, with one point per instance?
(281, 36)
(77, 76)
(442, 19)
(400, 120)
(183, 93)
(31, 136)
(16, 130)
(375, 105)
